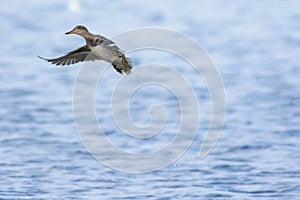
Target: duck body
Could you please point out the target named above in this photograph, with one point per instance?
(97, 48)
(105, 50)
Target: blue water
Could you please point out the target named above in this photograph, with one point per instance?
(254, 44)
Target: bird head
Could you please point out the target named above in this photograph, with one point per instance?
(79, 30)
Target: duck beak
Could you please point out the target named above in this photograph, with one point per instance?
(70, 32)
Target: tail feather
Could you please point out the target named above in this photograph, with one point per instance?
(123, 66)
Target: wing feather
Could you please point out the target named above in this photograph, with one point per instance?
(78, 55)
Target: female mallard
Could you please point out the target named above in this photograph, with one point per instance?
(97, 48)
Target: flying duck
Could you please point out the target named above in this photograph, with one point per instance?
(97, 48)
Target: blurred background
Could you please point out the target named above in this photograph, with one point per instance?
(254, 44)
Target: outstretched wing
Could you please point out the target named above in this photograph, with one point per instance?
(78, 55)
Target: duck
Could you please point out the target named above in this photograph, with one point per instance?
(97, 47)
